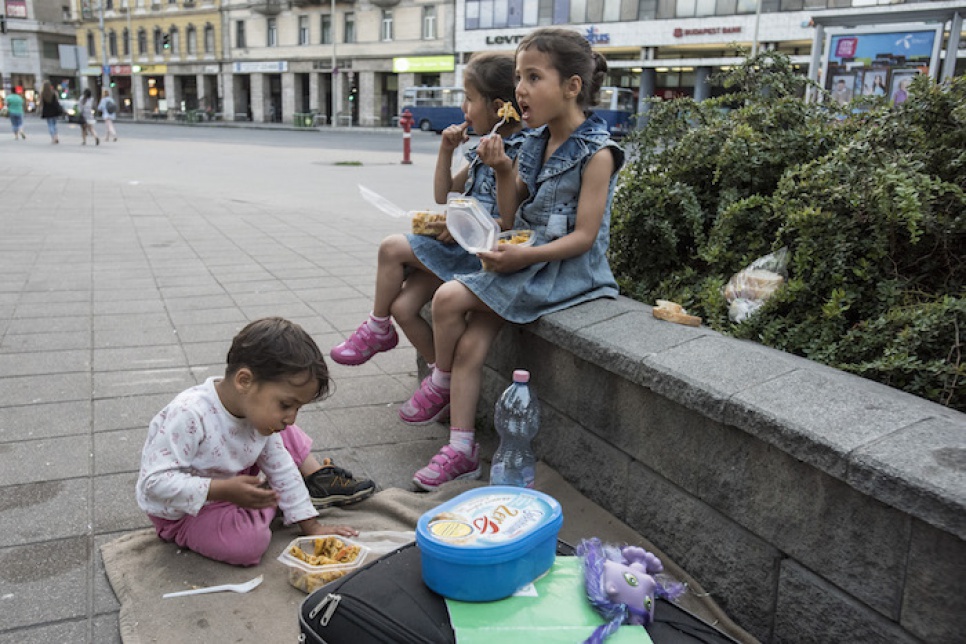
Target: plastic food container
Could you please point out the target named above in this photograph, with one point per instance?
(427, 222)
(470, 225)
(307, 577)
(487, 542)
(518, 237)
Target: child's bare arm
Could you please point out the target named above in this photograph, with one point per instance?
(443, 181)
(312, 528)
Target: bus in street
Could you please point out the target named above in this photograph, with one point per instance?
(434, 108)
(616, 106)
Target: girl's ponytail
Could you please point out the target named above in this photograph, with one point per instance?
(598, 77)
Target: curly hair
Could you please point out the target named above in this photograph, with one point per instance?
(275, 349)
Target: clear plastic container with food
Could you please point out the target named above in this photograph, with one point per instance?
(315, 561)
(518, 237)
(470, 225)
(428, 222)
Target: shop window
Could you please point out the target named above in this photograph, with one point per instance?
(191, 40)
(240, 34)
(303, 30)
(350, 27)
(209, 39)
(325, 29)
(386, 25)
(112, 43)
(612, 10)
(272, 33)
(695, 8)
(429, 22)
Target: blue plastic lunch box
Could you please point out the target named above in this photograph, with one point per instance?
(487, 542)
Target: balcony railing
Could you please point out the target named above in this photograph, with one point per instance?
(267, 7)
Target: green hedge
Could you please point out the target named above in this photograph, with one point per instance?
(870, 201)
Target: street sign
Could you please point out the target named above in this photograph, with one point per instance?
(72, 56)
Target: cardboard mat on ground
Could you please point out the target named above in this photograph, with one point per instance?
(141, 568)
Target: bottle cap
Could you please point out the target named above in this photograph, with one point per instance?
(521, 375)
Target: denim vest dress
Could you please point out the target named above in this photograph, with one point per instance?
(449, 260)
(551, 212)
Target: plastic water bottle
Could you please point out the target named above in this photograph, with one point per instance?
(517, 420)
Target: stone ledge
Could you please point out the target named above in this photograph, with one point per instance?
(897, 448)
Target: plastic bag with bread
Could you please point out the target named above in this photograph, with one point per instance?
(748, 289)
(674, 312)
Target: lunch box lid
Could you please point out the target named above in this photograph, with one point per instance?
(489, 524)
(470, 225)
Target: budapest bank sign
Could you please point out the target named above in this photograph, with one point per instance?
(705, 31)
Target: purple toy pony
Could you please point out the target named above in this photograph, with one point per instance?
(621, 585)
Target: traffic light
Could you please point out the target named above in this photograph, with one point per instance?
(166, 41)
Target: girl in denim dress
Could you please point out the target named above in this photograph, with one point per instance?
(560, 186)
(411, 267)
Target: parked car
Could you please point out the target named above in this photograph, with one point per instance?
(71, 111)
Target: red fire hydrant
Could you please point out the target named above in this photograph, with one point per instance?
(406, 121)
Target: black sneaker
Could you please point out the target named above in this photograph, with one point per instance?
(334, 486)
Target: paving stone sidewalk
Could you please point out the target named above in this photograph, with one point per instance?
(124, 273)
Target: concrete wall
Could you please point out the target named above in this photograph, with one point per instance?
(812, 504)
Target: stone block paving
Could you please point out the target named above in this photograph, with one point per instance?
(116, 293)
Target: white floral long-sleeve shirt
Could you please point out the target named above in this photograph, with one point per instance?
(194, 440)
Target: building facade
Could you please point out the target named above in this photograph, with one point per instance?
(670, 48)
(349, 61)
(30, 48)
(267, 60)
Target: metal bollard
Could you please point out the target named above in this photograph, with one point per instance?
(406, 122)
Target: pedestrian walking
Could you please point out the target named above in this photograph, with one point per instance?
(108, 109)
(86, 107)
(50, 110)
(15, 112)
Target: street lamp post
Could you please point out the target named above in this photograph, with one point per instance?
(754, 42)
(336, 76)
(130, 55)
(105, 70)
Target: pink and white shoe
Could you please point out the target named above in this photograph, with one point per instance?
(448, 465)
(363, 344)
(427, 405)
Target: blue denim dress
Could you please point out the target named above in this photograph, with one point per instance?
(551, 212)
(449, 260)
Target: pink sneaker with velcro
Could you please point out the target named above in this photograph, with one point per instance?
(448, 465)
(427, 405)
(363, 344)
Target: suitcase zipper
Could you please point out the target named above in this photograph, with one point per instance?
(370, 615)
(332, 601)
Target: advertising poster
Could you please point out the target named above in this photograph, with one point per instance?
(879, 61)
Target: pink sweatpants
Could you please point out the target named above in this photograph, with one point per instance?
(226, 532)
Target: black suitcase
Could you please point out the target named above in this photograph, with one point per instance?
(386, 602)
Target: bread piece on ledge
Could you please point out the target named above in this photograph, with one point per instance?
(674, 312)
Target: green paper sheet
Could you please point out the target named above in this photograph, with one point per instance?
(559, 614)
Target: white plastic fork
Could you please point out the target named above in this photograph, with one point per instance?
(497, 126)
(237, 588)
